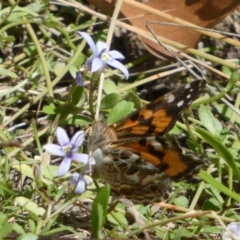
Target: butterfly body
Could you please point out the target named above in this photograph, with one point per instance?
(136, 156)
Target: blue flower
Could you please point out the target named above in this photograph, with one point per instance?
(80, 182)
(68, 149)
(79, 79)
(233, 231)
(102, 56)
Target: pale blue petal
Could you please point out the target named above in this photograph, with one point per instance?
(90, 42)
(78, 181)
(79, 79)
(74, 178)
(81, 187)
(54, 149)
(88, 63)
(88, 180)
(97, 65)
(116, 55)
(81, 157)
(64, 166)
(77, 140)
(101, 47)
(62, 136)
(116, 64)
(234, 228)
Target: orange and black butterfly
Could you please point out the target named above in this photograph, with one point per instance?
(136, 156)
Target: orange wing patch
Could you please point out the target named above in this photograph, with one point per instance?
(145, 122)
(166, 155)
(175, 163)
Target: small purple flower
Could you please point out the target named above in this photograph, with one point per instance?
(79, 79)
(67, 149)
(234, 229)
(102, 56)
(80, 182)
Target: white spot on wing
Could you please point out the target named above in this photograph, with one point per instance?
(170, 98)
(180, 103)
(187, 86)
(188, 96)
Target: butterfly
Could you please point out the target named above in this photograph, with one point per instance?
(138, 158)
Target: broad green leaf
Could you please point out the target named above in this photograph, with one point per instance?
(5, 229)
(24, 169)
(28, 236)
(181, 201)
(132, 97)
(211, 229)
(49, 109)
(121, 110)
(212, 204)
(209, 121)
(99, 211)
(32, 225)
(30, 206)
(79, 120)
(34, 7)
(6, 72)
(49, 171)
(58, 67)
(73, 70)
(227, 70)
(117, 218)
(109, 86)
(221, 149)
(110, 101)
(77, 94)
(18, 228)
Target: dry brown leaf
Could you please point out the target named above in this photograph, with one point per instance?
(203, 13)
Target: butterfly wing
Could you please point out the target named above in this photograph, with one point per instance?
(142, 170)
(159, 116)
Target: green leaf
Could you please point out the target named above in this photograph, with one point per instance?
(73, 70)
(181, 201)
(32, 225)
(58, 67)
(49, 109)
(30, 206)
(29, 47)
(213, 182)
(221, 149)
(17, 228)
(28, 236)
(25, 170)
(117, 218)
(99, 211)
(209, 121)
(109, 86)
(212, 204)
(132, 97)
(79, 120)
(6, 72)
(227, 70)
(110, 101)
(5, 227)
(77, 94)
(211, 229)
(121, 110)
